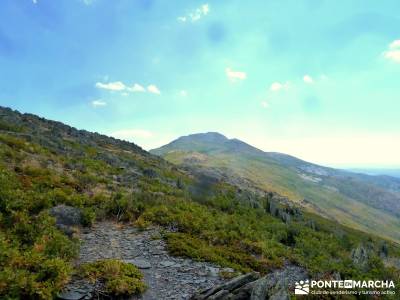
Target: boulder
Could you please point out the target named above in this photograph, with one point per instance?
(66, 217)
(71, 295)
(274, 285)
(260, 290)
(140, 263)
(225, 290)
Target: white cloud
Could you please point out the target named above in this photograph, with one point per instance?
(395, 44)
(393, 53)
(132, 134)
(235, 75)
(122, 87)
(195, 15)
(136, 88)
(112, 86)
(205, 8)
(277, 86)
(34, 1)
(264, 104)
(153, 89)
(98, 103)
(308, 79)
(183, 93)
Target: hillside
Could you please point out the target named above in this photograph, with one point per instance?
(58, 184)
(369, 203)
(378, 172)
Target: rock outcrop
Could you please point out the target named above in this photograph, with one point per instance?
(274, 286)
(67, 217)
(360, 256)
(282, 208)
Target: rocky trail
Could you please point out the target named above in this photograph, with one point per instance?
(167, 277)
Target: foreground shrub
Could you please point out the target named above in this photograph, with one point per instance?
(117, 277)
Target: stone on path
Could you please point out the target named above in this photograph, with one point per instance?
(140, 263)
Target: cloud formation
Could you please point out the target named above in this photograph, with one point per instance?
(395, 44)
(112, 86)
(277, 86)
(119, 86)
(235, 75)
(98, 103)
(153, 89)
(393, 53)
(264, 104)
(195, 15)
(308, 79)
(136, 88)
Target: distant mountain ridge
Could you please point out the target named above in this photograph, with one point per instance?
(377, 172)
(370, 203)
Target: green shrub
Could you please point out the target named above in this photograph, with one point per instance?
(118, 278)
(88, 216)
(31, 273)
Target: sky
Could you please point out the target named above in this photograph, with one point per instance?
(317, 79)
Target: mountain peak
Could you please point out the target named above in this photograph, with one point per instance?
(207, 137)
(206, 143)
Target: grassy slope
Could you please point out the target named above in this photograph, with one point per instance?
(272, 176)
(44, 164)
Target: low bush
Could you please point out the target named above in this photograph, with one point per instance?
(117, 277)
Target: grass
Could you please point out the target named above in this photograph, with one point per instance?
(117, 277)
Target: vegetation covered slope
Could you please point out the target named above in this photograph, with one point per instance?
(370, 203)
(45, 163)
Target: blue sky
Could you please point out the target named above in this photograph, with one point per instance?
(318, 79)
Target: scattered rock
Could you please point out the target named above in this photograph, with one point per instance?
(170, 277)
(167, 277)
(167, 263)
(140, 263)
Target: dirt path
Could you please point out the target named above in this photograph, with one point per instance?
(167, 277)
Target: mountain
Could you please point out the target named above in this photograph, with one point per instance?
(76, 207)
(369, 203)
(378, 171)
